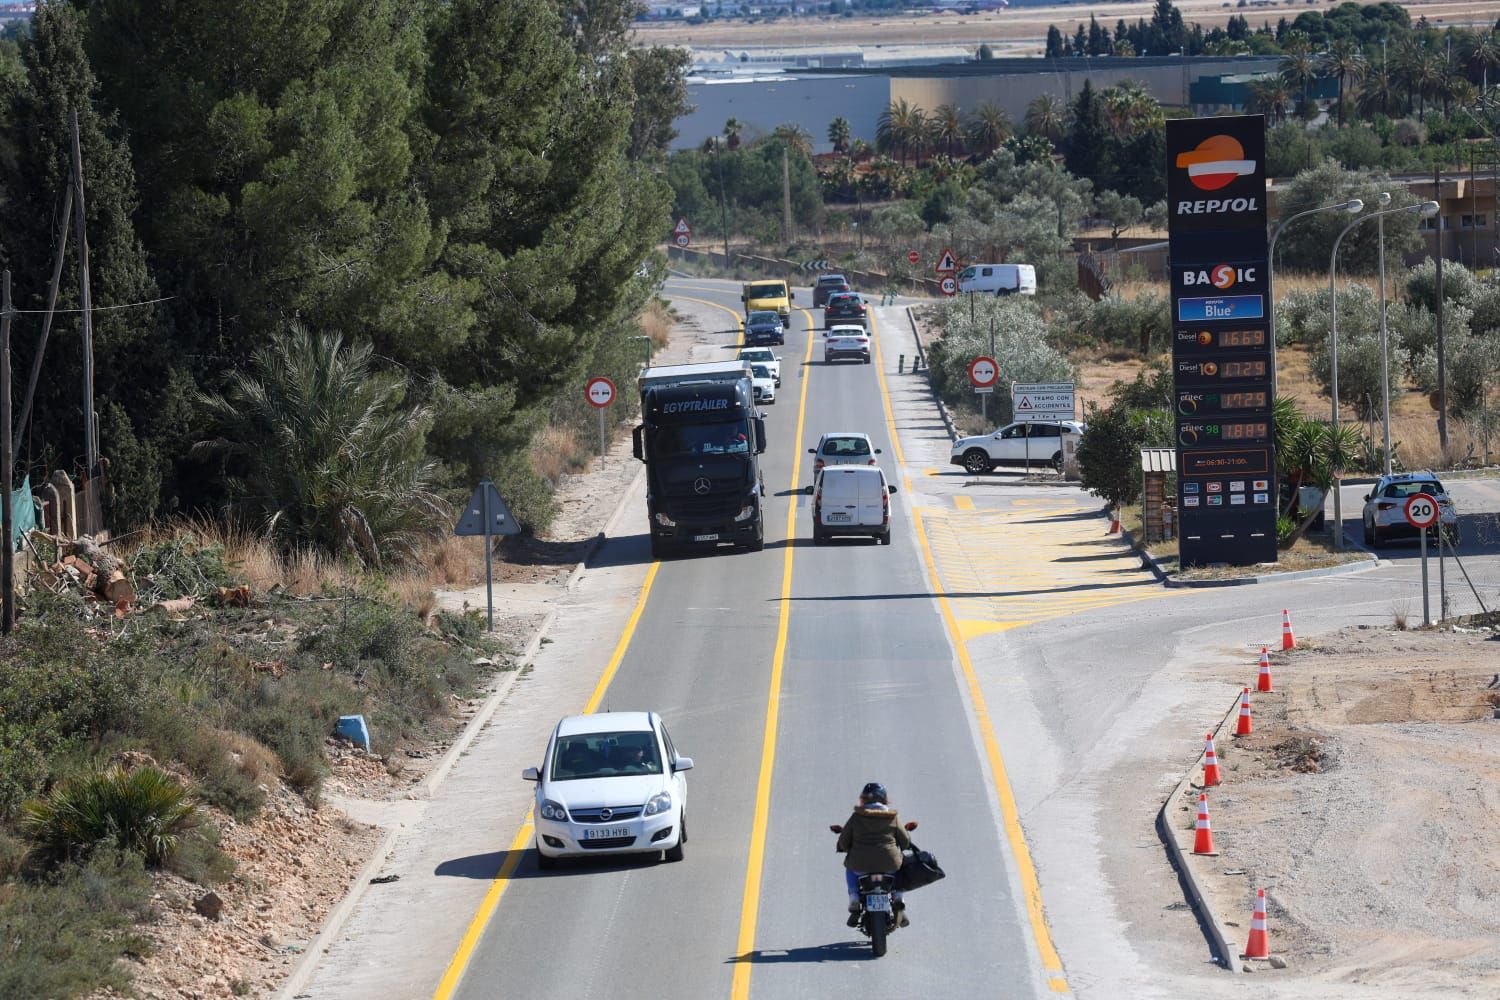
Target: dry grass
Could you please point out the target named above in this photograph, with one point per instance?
(416, 595)
(557, 451)
(656, 322)
(309, 572)
(454, 561)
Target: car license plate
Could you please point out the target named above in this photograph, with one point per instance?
(606, 832)
(705, 538)
(837, 515)
(878, 902)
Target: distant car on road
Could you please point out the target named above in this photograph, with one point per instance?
(828, 284)
(763, 356)
(846, 342)
(763, 383)
(1385, 508)
(846, 307)
(764, 327)
(843, 448)
(1014, 444)
(610, 783)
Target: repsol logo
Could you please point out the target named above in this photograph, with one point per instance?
(695, 405)
(1213, 206)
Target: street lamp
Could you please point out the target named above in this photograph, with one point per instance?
(647, 341)
(1385, 377)
(1353, 206)
(1426, 209)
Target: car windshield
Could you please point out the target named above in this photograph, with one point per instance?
(755, 354)
(604, 755)
(763, 319)
(693, 440)
(767, 291)
(761, 371)
(846, 446)
(831, 279)
(1400, 491)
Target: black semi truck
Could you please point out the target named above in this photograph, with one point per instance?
(699, 437)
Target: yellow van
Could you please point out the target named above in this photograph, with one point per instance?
(768, 296)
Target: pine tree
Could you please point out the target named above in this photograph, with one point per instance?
(1056, 47)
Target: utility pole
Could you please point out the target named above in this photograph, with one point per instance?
(41, 347)
(723, 211)
(1442, 365)
(7, 472)
(90, 425)
(786, 197)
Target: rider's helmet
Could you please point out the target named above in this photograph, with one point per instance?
(873, 792)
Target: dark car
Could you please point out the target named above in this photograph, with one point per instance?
(763, 328)
(828, 284)
(846, 307)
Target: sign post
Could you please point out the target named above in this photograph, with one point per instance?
(1422, 513)
(1223, 368)
(487, 515)
(600, 392)
(983, 374)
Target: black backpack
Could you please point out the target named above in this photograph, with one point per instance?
(918, 868)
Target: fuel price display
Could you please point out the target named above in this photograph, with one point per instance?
(1208, 403)
(1192, 340)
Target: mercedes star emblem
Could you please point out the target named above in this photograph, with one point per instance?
(701, 485)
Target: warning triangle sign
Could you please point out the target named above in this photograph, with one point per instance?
(682, 226)
(947, 262)
(473, 520)
(1024, 403)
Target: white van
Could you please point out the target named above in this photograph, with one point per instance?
(851, 500)
(998, 279)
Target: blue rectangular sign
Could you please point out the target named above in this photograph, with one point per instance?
(1220, 307)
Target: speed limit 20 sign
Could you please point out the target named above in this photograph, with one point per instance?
(1421, 511)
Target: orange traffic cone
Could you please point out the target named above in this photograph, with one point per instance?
(1114, 524)
(1263, 682)
(1211, 775)
(1258, 946)
(1242, 728)
(1288, 641)
(1203, 837)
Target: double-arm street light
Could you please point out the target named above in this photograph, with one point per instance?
(1426, 209)
(1353, 206)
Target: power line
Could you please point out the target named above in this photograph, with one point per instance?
(95, 309)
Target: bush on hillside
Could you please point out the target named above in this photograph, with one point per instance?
(142, 810)
(1021, 349)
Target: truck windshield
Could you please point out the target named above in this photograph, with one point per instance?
(696, 440)
(775, 291)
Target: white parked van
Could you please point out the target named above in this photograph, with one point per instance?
(852, 500)
(998, 279)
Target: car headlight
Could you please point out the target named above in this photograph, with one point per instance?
(746, 512)
(553, 810)
(658, 804)
(665, 521)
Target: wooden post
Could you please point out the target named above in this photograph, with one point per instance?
(7, 471)
(91, 458)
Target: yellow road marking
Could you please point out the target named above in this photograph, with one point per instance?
(1030, 887)
(737, 317)
(963, 503)
(750, 904)
(501, 882)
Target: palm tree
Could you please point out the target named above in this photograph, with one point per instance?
(1045, 117)
(323, 452)
(1481, 54)
(898, 128)
(732, 129)
(1346, 63)
(796, 138)
(1271, 97)
(948, 127)
(987, 128)
(1129, 108)
(838, 134)
(1427, 76)
(1377, 94)
(1298, 67)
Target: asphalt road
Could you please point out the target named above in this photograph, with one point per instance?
(868, 691)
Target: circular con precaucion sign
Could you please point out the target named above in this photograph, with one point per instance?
(600, 392)
(983, 373)
(1421, 511)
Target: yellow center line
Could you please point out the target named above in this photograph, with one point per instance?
(750, 906)
(1030, 887)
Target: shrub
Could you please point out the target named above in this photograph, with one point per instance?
(1109, 454)
(1459, 284)
(1359, 367)
(1140, 324)
(1409, 132)
(64, 937)
(1020, 348)
(142, 810)
(179, 565)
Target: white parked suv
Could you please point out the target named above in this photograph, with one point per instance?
(1385, 507)
(843, 448)
(763, 356)
(1013, 444)
(610, 783)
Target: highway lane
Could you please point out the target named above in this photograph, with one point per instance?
(869, 692)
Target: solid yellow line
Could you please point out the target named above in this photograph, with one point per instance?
(750, 904)
(718, 305)
(465, 952)
(1030, 888)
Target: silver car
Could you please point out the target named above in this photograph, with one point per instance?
(1385, 507)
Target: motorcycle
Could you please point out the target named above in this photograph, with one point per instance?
(877, 916)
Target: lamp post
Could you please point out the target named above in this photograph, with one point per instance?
(1353, 206)
(1425, 209)
(1385, 374)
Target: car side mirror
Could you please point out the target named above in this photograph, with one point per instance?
(682, 764)
(911, 826)
(531, 774)
(808, 489)
(637, 442)
(878, 451)
(1367, 498)
(890, 489)
(812, 451)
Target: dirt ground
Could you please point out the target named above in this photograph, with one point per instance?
(1367, 804)
(1026, 27)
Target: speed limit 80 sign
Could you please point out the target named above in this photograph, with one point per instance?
(1421, 511)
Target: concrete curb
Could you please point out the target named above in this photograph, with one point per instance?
(1150, 562)
(1218, 934)
(334, 923)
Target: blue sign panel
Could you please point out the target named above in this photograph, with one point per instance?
(1220, 307)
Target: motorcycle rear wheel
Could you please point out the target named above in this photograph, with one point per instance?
(877, 925)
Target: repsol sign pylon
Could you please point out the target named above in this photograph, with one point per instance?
(1223, 363)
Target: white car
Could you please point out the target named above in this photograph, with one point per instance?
(764, 383)
(610, 783)
(843, 448)
(852, 500)
(844, 341)
(1013, 444)
(1385, 507)
(763, 356)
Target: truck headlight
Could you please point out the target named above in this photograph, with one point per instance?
(665, 521)
(746, 512)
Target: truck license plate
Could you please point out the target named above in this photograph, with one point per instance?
(705, 538)
(606, 833)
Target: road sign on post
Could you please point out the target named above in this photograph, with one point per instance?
(487, 515)
(682, 233)
(949, 285)
(600, 392)
(1042, 401)
(1421, 513)
(947, 263)
(912, 256)
(983, 374)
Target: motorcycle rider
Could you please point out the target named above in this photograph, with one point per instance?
(872, 840)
